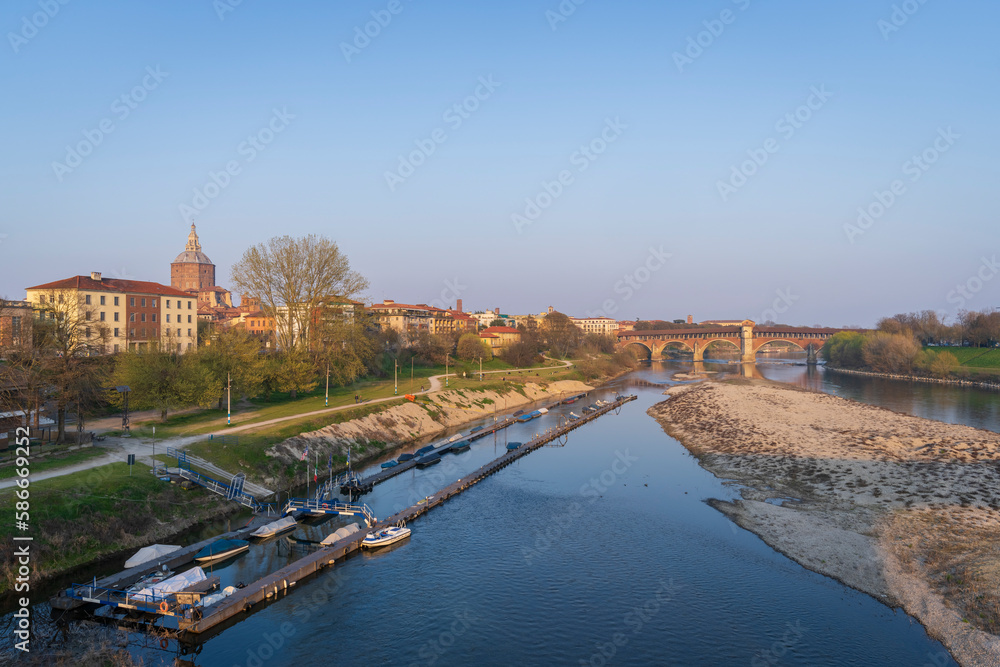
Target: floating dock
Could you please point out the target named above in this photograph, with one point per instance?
(286, 578)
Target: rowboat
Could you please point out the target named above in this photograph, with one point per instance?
(221, 549)
(385, 537)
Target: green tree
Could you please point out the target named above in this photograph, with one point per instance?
(234, 355)
(471, 348)
(944, 364)
(164, 381)
(296, 372)
(890, 353)
(561, 335)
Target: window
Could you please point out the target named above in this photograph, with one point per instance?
(102, 315)
(86, 299)
(189, 319)
(142, 317)
(132, 301)
(116, 316)
(116, 334)
(168, 317)
(154, 332)
(60, 297)
(178, 332)
(86, 315)
(189, 346)
(154, 317)
(142, 332)
(178, 347)
(143, 302)
(189, 332)
(116, 301)
(102, 300)
(116, 348)
(131, 333)
(189, 304)
(168, 303)
(153, 304)
(86, 332)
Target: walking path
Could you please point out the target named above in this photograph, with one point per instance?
(119, 448)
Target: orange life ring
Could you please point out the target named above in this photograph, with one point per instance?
(164, 606)
(164, 643)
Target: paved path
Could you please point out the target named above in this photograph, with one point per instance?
(119, 448)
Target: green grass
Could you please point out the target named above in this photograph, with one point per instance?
(79, 517)
(54, 461)
(976, 360)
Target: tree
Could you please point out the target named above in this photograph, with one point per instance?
(348, 347)
(471, 348)
(164, 381)
(561, 335)
(293, 278)
(498, 323)
(235, 356)
(296, 372)
(844, 349)
(520, 355)
(890, 353)
(943, 364)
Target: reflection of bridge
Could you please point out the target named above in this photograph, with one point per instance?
(747, 338)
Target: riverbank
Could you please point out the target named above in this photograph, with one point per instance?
(902, 508)
(991, 385)
(384, 432)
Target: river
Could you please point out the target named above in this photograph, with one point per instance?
(602, 551)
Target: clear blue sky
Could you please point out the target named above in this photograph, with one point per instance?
(656, 185)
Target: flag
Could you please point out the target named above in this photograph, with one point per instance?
(304, 454)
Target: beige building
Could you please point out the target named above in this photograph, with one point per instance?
(106, 315)
(604, 326)
(410, 319)
(500, 337)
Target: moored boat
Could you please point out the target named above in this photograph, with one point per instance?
(385, 537)
(150, 579)
(424, 450)
(429, 460)
(477, 429)
(221, 549)
(403, 458)
(511, 446)
(275, 527)
(340, 534)
(390, 464)
(459, 446)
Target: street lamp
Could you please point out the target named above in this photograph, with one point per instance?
(327, 403)
(229, 401)
(446, 369)
(395, 377)
(480, 369)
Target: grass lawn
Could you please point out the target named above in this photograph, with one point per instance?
(77, 518)
(977, 360)
(55, 461)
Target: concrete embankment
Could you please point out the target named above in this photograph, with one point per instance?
(903, 508)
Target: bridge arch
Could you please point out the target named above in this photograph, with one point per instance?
(683, 344)
(638, 348)
(768, 341)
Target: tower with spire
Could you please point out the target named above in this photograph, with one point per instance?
(192, 271)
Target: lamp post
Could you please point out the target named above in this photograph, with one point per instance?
(327, 399)
(395, 377)
(229, 401)
(480, 369)
(446, 369)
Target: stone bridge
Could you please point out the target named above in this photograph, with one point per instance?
(746, 337)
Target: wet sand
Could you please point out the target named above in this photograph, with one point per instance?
(903, 508)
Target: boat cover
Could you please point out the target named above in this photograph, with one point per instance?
(209, 600)
(275, 527)
(152, 552)
(173, 584)
(340, 534)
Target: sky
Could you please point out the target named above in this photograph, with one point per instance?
(812, 163)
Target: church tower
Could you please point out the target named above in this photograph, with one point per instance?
(192, 270)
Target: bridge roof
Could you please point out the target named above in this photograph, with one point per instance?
(733, 331)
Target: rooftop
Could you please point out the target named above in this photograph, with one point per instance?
(110, 285)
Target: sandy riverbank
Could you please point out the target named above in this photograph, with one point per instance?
(902, 508)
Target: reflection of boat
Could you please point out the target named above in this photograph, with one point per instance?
(275, 527)
(513, 445)
(221, 549)
(403, 458)
(385, 537)
(340, 534)
(390, 464)
(429, 460)
(476, 429)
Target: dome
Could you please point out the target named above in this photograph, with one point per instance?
(192, 251)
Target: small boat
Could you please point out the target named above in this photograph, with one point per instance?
(460, 446)
(511, 446)
(543, 411)
(519, 412)
(403, 458)
(150, 553)
(390, 464)
(429, 460)
(424, 450)
(573, 416)
(476, 429)
(455, 437)
(529, 416)
(275, 528)
(340, 534)
(147, 581)
(221, 549)
(385, 537)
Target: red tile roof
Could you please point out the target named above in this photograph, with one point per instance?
(112, 285)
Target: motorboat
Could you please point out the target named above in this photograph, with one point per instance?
(221, 549)
(573, 416)
(511, 446)
(460, 446)
(477, 429)
(385, 537)
(162, 573)
(424, 450)
(275, 528)
(403, 458)
(542, 411)
(429, 460)
(390, 464)
(150, 553)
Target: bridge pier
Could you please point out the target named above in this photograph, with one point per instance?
(811, 354)
(699, 351)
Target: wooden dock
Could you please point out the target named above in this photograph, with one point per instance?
(289, 576)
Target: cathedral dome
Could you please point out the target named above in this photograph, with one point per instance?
(192, 251)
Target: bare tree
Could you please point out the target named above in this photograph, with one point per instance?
(293, 278)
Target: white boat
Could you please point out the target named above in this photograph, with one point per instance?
(340, 534)
(172, 585)
(161, 574)
(385, 537)
(543, 411)
(275, 528)
(152, 552)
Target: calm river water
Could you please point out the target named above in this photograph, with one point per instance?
(599, 552)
